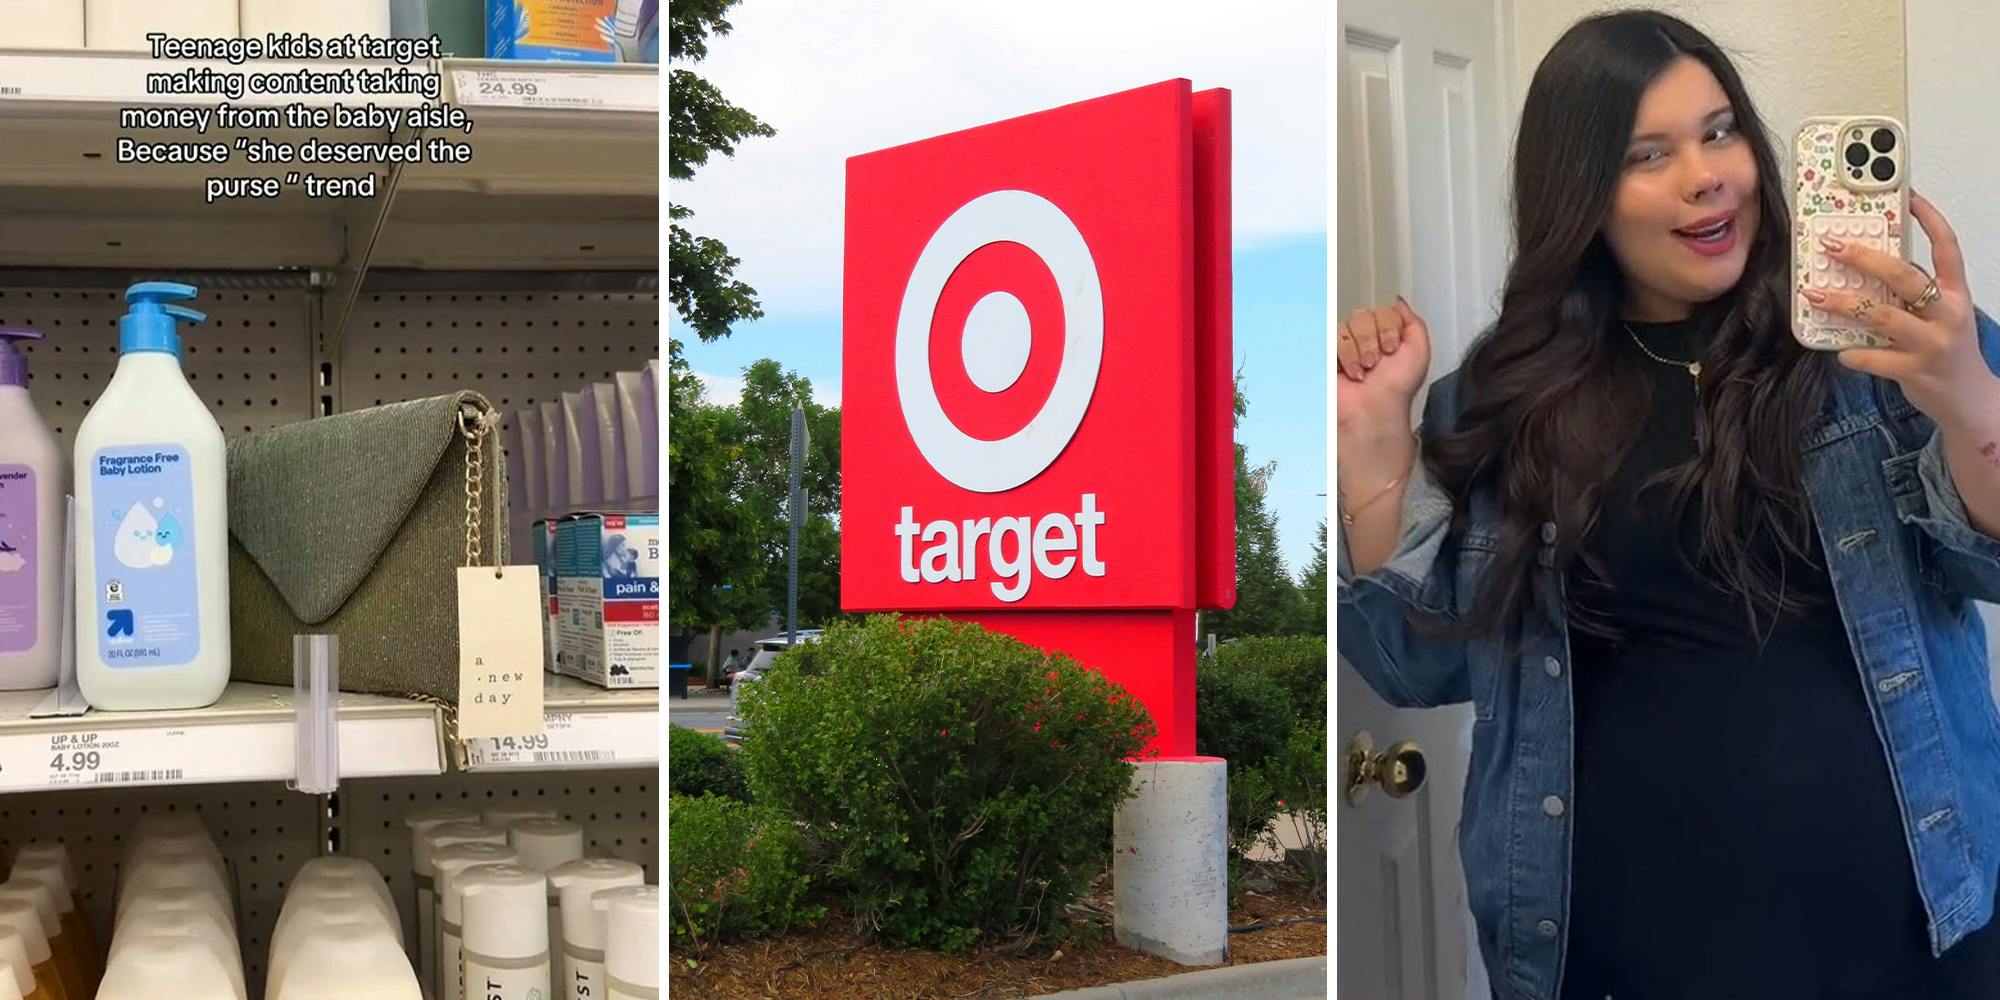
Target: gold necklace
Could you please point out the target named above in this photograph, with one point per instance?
(1693, 367)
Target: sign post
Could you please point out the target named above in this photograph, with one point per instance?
(1038, 427)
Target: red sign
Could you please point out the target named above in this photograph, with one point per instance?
(1036, 383)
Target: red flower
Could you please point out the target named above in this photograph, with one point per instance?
(1809, 174)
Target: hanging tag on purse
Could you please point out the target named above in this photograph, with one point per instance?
(499, 651)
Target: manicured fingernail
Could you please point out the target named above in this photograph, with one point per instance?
(1832, 245)
(1815, 297)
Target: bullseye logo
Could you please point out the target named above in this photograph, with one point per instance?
(1017, 352)
(998, 341)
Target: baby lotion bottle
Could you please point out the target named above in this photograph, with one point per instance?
(34, 475)
(152, 547)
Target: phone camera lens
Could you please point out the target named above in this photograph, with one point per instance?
(1856, 171)
(1883, 140)
(1857, 155)
(1883, 169)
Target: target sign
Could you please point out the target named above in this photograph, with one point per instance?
(1019, 363)
(1036, 394)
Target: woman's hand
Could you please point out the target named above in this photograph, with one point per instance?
(1384, 353)
(1934, 349)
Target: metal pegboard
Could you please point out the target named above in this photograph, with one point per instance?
(265, 831)
(251, 362)
(617, 809)
(516, 348)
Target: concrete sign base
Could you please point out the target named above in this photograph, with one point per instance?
(1170, 878)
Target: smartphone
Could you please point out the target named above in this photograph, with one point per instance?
(1851, 174)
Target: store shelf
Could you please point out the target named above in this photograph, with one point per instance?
(564, 176)
(589, 728)
(246, 736)
(66, 201)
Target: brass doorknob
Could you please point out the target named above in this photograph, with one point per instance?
(1400, 769)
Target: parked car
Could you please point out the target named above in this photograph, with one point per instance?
(765, 652)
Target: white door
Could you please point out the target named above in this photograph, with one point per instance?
(1422, 129)
(1953, 146)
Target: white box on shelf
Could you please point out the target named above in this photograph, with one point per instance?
(608, 584)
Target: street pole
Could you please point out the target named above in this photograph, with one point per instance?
(795, 504)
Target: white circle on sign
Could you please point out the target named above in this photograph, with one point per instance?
(998, 337)
(1037, 224)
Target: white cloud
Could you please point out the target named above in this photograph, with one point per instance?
(720, 390)
(841, 77)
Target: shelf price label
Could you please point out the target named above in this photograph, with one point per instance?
(512, 88)
(139, 757)
(574, 739)
(144, 756)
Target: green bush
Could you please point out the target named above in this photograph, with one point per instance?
(1253, 804)
(700, 764)
(1297, 778)
(1255, 699)
(962, 782)
(734, 870)
(1240, 713)
(1298, 663)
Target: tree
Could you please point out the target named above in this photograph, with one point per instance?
(1312, 585)
(765, 416)
(716, 571)
(729, 469)
(1267, 601)
(714, 580)
(701, 280)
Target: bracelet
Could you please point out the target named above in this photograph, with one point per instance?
(1347, 513)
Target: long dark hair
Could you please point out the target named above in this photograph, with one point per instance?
(1551, 404)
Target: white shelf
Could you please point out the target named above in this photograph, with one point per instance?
(589, 728)
(248, 735)
(564, 176)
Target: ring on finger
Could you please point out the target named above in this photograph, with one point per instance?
(1928, 297)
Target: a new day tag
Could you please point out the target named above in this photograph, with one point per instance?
(499, 652)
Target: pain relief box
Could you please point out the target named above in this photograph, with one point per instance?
(544, 544)
(608, 598)
(573, 30)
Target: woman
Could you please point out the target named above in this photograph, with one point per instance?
(1709, 593)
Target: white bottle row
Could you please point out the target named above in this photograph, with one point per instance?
(508, 907)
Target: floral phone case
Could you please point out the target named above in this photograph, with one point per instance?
(1851, 173)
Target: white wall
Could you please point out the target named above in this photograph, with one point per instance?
(1799, 58)
(1956, 149)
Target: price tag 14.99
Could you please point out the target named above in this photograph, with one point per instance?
(576, 739)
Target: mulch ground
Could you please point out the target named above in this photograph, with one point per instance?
(831, 960)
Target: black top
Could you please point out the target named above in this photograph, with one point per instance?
(1736, 827)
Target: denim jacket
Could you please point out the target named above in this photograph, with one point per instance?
(1906, 565)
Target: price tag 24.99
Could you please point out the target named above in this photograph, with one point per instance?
(499, 651)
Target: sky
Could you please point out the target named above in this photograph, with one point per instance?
(842, 77)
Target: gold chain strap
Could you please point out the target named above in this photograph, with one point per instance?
(473, 426)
